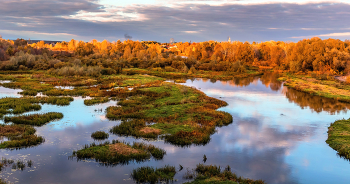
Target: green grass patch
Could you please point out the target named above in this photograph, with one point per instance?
(339, 137)
(151, 175)
(172, 128)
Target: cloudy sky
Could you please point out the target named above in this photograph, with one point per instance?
(183, 20)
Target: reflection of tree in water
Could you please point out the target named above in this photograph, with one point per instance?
(270, 79)
(241, 82)
(315, 103)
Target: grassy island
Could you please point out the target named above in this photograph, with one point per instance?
(116, 152)
(34, 119)
(26, 104)
(19, 136)
(181, 114)
(100, 135)
(339, 137)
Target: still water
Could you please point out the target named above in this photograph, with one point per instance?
(277, 135)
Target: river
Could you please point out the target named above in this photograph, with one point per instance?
(278, 135)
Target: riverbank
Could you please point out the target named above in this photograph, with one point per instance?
(339, 137)
(320, 85)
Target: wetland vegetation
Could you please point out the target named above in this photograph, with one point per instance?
(100, 135)
(183, 115)
(116, 152)
(206, 174)
(34, 119)
(134, 73)
(19, 136)
(154, 175)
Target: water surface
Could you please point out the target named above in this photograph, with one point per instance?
(277, 135)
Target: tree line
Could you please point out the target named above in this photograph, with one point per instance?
(331, 56)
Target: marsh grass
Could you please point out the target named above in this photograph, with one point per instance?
(179, 114)
(15, 165)
(339, 137)
(97, 100)
(205, 174)
(99, 135)
(34, 119)
(218, 75)
(150, 175)
(26, 104)
(110, 154)
(19, 136)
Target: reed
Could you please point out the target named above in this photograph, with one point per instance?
(15, 165)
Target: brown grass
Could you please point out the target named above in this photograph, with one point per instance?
(123, 149)
(147, 130)
(11, 130)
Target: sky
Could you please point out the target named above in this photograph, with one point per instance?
(183, 20)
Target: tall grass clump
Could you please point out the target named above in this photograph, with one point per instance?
(34, 119)
(150, 175)
(100, 135)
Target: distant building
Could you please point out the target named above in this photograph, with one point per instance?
(172, 41)
(229, 39)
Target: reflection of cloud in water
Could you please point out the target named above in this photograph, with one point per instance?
(7, 92)
(261, 143)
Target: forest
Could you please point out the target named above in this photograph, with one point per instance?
(330, 56)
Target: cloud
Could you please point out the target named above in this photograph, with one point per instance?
(329, 35)
(239, 20)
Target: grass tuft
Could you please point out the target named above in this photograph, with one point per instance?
(100, 135)
(150, 175)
